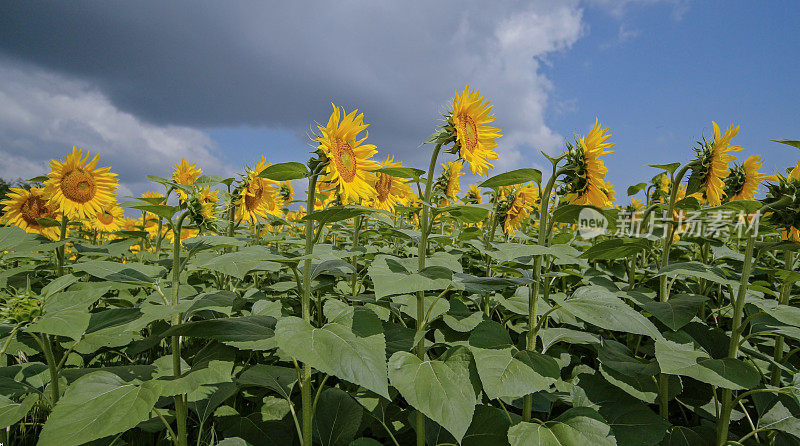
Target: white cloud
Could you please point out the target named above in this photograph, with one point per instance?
(44, 114)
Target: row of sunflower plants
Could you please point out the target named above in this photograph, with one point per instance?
(386, 307)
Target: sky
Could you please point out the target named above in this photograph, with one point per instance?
(223, 83)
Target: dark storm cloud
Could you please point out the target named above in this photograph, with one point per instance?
(280, 64)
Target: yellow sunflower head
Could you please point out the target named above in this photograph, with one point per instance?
(24, 208)
(711, 164)
(784, 215)
(203, 206)
(185, 174)
(130, 224)
(153, 197)
(389, 191)
(256, 196)
(661, 188)
(348, 157)
(448, 182)
(78, 188)
(585, 182)
(520, 207)
(108, 220)
(473, 195)
(474, 140)
(286, 193)
(743, 180)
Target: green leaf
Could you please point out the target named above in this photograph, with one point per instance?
(671, 167)
(137, 273)
(697, 270)
(11, 412)
(778, 417)
(576, 427)
(339, 213)
(510, 372)
(513, 177)
(788, 142)
(401, 172)
(226, 329)
(276, 378)
(675, 313)
(636, 188)
(95, 406)
(394, 275)
(488, 428)
(616, 248)
(240, 263)
(351, 347)
(686, 360)
(161, 210)
(435, 388)
(466, 213)
(285, 171)
(337, 418)
(599, 307)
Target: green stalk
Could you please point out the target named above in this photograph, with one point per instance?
(180, 404)
(421, 253)
(356, 232)
(663, 295)
(305, 385)
(783, 299)
(533, 290)
(61, 250)
(723, 421)
(52, 364)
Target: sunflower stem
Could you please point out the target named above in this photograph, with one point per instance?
(723, 422)
(783, 299)
(305, 385)
(356, 232)
(180, 403)
(533, 289)
(421, 253)
(61, 250)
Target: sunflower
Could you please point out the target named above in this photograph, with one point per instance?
(108, 220)
(286, 192)
(448, 182)
(203, 206)
(795, 173)
(130, 224)
(474, 140)
(586, 184)
(743, 180)
(786, 216)
(390, 191)
(520, 208)
(153, 197)
(256, 195)
(473, 195)
(185, 174)
(348, 157)
(712, 164)
(24, 208)
(78, 187)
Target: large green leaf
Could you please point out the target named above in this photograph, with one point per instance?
(395, 275)
(686, 360)
(339, 213)
(616, 248)
(240, 263)
(578, 426)
(285, 171)
(337, 418)
(133, 272)
(436, 388)
(513, 177)
(676, 312)
(96, 406)
(351, 347)
(599, 307)
(11, 412)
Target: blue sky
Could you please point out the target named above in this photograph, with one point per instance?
(146, 84)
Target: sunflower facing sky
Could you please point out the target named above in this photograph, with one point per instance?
(108, 220)
(448, 182)
(712, 164)
(520, 208)
(286, 192)
(474, 140)
(255, 196)
(23, 208)
(390, 191)
(743, 180)
(78, 188)
(185, 174)
(473, 195)
(203, 205)
(349, 158)
(586, 183)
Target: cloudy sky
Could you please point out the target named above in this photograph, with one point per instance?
(222, 83)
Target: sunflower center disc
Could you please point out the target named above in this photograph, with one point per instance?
(345, 160)
(78, 186)
(34, 208)
(251, 202)
(469, 132)
(105, 218)
(383, 186)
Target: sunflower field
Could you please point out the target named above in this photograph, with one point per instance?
(358, 302)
